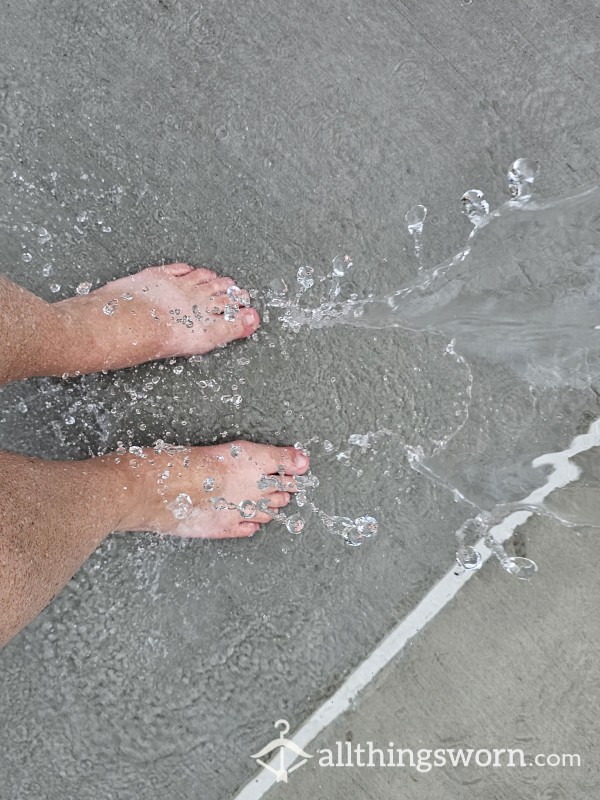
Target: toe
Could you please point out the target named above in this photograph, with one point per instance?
(263, 519)
(245, 529)
(271, 459)
(288, 482)
(279, 499)
(217, 304)
(204, 275)
(177, 270)
(244, 325)
(219, 285)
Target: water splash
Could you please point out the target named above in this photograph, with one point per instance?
(181, 507)
(521, 176)
(415, 220)
(524, 291)
(475, 206)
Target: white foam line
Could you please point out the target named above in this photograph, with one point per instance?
(434, 601)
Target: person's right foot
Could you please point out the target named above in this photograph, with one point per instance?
(180, 491)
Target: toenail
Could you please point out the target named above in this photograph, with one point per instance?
(300, 460)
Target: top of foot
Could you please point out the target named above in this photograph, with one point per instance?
(160, 312)
(215, 492)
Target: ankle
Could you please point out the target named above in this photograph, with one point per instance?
(133, 485)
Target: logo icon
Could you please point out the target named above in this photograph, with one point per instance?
(283, 744)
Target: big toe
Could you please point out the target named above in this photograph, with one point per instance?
(244, 325)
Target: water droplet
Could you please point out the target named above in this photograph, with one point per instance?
(521, 176)
(308, 481)
(475, 206)
(178, 369)
(415, 220)
(83, 288)
(219, 503)
(366, 526)
(269, 482)
(238, 296)
(247, 509)
(469, 558)
(339, 525)
(295, 523)
(230, 313)
(209, 484)
(195, 359)
(235, 450)
(341, 264)
(47, 270)
(70, 420)
(127, 296)
(22, 407)
(110, 307)
(522, 568)
(55, 287)
(304, 277)
(136, 451)
(328, 446)
(359, 439)
(181, 507)
(27, 257)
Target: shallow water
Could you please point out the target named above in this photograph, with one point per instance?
(258, 142)
(524, 292)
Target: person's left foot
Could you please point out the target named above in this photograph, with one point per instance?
(174, 310)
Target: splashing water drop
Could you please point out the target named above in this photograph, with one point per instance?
(341, 264)
(475, 206)
(415, 220)
(247, 509)
(277, 291)
(230, 313)
(181, 507)
(359, 439)
(295, 524)
(238, 296)
(518, 567)
(366, 526)
(304, 277)
(521, 176)
(110, 307)
(84, 288)
(469, 558)
(269, 482)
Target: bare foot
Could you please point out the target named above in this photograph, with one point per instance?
(191, 491)
(174, 310)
